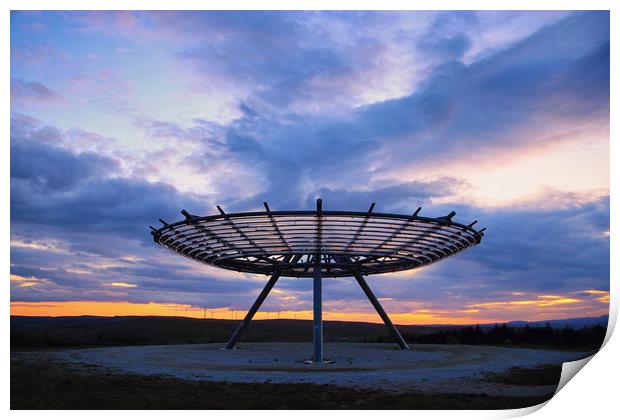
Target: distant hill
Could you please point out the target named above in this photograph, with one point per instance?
(555, 323)
(136, 330)
(561, 323)
(37, 332)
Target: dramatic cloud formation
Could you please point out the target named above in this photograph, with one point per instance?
(120, 118)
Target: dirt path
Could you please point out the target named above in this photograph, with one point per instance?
(427, 368)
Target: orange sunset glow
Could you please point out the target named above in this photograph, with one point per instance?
(592, 303)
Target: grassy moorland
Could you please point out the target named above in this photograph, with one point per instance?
(540, 376)
(37, 385)
(49, 332)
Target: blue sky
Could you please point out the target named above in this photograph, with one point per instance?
(119, 118)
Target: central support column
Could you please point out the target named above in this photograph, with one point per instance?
(318, 311)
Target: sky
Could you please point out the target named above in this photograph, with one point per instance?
(121, 118)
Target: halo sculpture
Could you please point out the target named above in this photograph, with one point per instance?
(316, 244)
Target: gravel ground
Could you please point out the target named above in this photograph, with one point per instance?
(427, 368)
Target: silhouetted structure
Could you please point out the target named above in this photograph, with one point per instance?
(316, 244)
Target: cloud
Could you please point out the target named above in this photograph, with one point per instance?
(23, 92)
(524, 249)
(309, 62)
(48, 169)
(446, 39)
(566, 244)
(55, 187)
(520, 98)
(35, 54)
(398, 197)
(465, 110)
(105, 87)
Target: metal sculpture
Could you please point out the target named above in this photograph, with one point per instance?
(316, 244)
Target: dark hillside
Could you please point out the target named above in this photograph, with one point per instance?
(46, 332)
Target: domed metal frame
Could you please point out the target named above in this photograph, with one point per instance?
(317, 244)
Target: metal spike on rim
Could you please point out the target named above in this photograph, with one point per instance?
(188, 216)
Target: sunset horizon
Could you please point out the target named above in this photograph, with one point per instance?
(466, 316)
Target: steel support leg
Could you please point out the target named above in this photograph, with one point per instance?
(318, 312)
(248, 317)
(384, 316)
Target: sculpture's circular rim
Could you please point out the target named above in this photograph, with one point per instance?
(342, 268)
